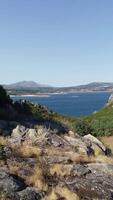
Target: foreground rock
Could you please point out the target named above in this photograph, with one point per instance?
(95, 141)
(93, 181)
(66, 160)
(12, 187)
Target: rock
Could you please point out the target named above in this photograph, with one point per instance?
(54, 159)
(110, 101)
(37, 136)
(80, 146)
(80, 170)
(12, 187)
(58, 141)
(5, 152)
(9, 183)
(95, 141)
(30, 194)
(101, 168)
(92, 181)
(18, 132)
(31, 135)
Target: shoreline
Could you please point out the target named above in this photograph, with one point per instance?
(56, 93)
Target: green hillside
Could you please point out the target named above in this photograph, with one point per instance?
(97, 124)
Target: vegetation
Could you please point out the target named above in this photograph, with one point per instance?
(4, 98)
(98, 124)
(46, 166)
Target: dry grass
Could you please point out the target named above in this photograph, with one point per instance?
(3, 140)
(37, 179)
(108, 141)
(54, 151)
(60, 170)
(60, 192)
(104, 159)
(26, 150)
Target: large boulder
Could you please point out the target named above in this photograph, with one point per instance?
(79, 145)
(95, 143)
(93, 181)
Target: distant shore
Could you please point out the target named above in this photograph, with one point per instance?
(30, 95)
(55, 93)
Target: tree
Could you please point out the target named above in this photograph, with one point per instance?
(4, 98)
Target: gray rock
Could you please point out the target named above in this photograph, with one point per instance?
(30, 194)
(92, 181)
(54, 159)
(18, 132)
(9, 183)
(58, 141)
(95, 141)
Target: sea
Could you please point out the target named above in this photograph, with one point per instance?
(73, 104)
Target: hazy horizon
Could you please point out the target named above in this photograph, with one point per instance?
(53, 85)
(58, 43)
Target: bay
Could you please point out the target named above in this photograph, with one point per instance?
(73, 104)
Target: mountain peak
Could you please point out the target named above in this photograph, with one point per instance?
(26, 84)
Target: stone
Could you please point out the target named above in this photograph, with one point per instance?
(18, 132)
(79, 145)
(58, 141)
(54, 159)
(93, 181)
(9, 183)
(95, 141)
(30, 194)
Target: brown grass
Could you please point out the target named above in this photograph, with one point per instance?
(108, 141)
(60, 169)
(37, 179)
(26, 150)
(61, 192)
(3, 140)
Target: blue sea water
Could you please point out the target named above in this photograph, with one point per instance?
(74, 104)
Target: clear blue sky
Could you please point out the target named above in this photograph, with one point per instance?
(58, 42)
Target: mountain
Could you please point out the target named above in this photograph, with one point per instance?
(91, 87)
(33, 88)
(25, 85)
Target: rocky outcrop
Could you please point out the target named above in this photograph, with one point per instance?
(71, 155)
(12, 187)
(93, 140)
(42, 136)
(93, 181)
(110, 101)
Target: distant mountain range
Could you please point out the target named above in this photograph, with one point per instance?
(32, 87)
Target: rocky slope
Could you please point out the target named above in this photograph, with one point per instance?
(42, 159)
(36, 163)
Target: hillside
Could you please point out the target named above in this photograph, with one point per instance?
(27, 85)
(30, 87)
(47, 156)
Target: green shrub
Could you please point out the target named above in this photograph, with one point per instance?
(82, 127)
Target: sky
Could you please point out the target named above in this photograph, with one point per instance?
(56, 42)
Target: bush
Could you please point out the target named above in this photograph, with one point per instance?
(4, 98)
(82, 127)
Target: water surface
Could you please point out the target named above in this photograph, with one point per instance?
(74, 104)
